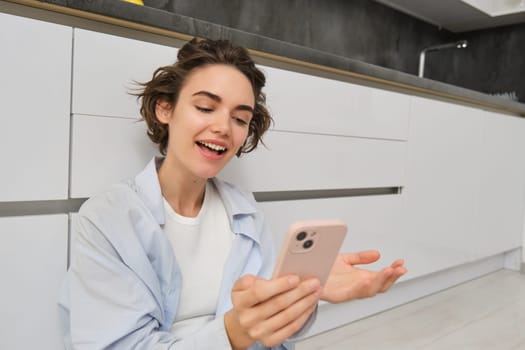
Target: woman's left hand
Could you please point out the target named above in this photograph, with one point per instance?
(347, 282)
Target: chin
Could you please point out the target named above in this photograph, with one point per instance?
(207, 173)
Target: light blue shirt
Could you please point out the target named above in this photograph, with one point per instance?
(122, 288)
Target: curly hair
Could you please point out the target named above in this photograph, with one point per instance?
(167, 82)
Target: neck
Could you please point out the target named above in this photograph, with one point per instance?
(184, 192)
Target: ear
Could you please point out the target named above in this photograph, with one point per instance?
(163, 111)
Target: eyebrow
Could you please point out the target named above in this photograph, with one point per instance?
(217, 98)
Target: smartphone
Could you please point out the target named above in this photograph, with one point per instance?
(310, 249)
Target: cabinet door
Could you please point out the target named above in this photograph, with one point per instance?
(502, 201)
(106, 151)
(443, 183)
(33, 253)
(35, 70)
(106, 68)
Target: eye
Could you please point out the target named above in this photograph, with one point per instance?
(204, 109)
(240, 121)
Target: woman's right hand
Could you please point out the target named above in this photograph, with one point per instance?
(269, 311)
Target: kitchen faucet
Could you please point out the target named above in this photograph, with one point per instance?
(455, 45)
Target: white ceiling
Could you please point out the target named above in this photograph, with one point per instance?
(463, 15)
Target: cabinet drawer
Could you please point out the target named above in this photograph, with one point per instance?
(106, 151)
(306, 103)
(295, 162)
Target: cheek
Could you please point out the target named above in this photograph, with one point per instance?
(185, 122)
(243, 135)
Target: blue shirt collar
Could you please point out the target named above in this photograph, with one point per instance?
(239, 206)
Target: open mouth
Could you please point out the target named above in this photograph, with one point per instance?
(212, 147)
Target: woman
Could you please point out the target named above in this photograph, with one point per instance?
(178, 259)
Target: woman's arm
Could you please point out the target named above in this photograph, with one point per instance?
(111, 307)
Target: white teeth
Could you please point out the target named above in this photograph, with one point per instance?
(213, 146)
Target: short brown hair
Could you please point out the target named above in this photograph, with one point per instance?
(167, 82)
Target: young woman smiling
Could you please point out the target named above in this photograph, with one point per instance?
(177, 259)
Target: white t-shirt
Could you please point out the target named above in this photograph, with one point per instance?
(201, 245)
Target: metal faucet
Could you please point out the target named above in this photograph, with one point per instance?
(455, 45)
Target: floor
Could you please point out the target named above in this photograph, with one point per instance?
(486, 313)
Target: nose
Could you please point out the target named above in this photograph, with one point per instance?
(221, 123)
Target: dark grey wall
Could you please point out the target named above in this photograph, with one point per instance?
(493, 63)
(359, 29)
(371, 32)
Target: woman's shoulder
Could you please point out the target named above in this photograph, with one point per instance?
(117, 201)
(115, 194)
(119, 214)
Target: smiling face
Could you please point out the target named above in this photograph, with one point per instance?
(210, 120)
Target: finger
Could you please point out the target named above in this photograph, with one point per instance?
(262, 290)
(382, 279)
(255, 318)
(288, 321)
(397, 272)
(398, 263)
(363, 257)
(284, 300)
(279, 336)
(389, 281)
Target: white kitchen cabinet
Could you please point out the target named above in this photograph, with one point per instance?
(33, 253)
(306, 103)
(299, 161)
(106, 151)
(106, 68)
(502, 187)
(35, 70)
(443, 184)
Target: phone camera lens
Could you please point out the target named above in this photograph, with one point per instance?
(301, 235)
(308, 244)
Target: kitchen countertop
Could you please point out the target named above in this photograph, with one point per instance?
(185, 27)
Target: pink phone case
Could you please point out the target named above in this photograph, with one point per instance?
(310, 249)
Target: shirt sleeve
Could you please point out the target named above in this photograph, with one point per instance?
(110, 307)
